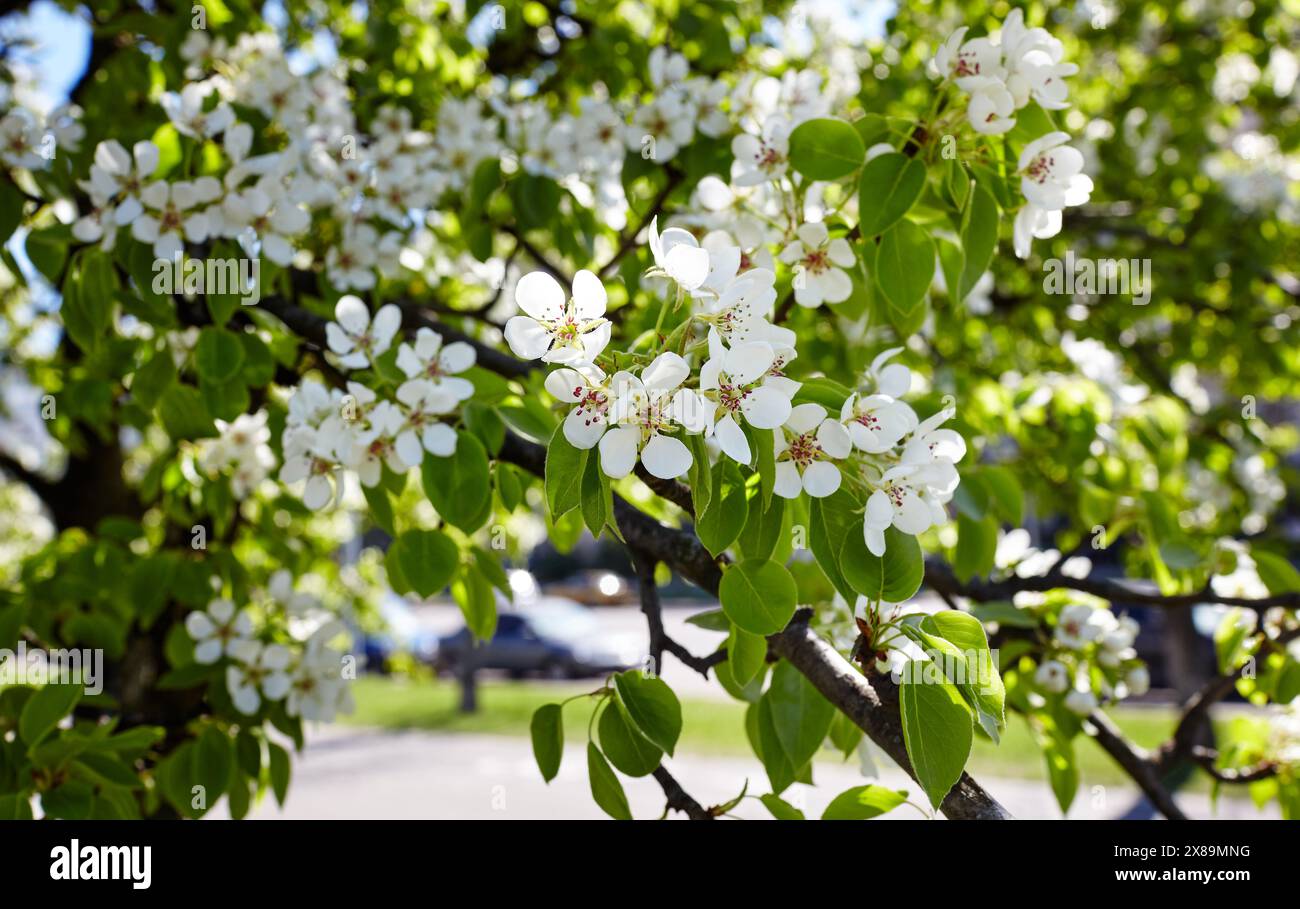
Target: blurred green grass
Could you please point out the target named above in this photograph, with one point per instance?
(708, 727)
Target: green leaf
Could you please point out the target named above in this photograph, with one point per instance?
(979, 239)
(905, 267)
(747, 653)
(625, 747)
(184, 413)
(724, 519)
(861, 803)
(826, 149)
(893, 577)
(460, 486)
(44, 709)
(983, 684)
(780, 808)
(1008, 499)
(218, 356)
(1062, 769)
(890, 185)
(47, 249)
(565, 465)
(547, 730)
(213, 756)
(381, 508)
(763, 528)
(597, 501)
(800, 715)
(831, 521)
(651, 707)
(605, 787)
(977, 543)
(11, 209)
(153, 378)
(279, 768)
(1278, 575)
(758, 595)
(428, 560)
(700, 476)
(777, 762)
(473, 593)
(938, 732)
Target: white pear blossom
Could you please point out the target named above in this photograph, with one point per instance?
(240, 444)
(902, 500)
(265, 211)
(20, 139)
(892, 379)
(351, 263)
(819, 264)
(876, 423)
(354, 337)
(1081, 701)
(731, 386)
(421, 429)
(678, 255)
(643, 411)
(259, 672)
(1034, 222)
(991, 106)
(806, 447)
(1051, 173)
(428, 358)
(586, 387)
(1076, 627)
(1052, 676)
(171, 215)
(186, 110)
(1138, 681)
(116, 179)
(309, 455)
(218, 630)
(554, 330)
(761, 159)
(376, 445)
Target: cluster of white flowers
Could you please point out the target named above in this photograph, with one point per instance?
(328, 429)
(1092, 658)
(378, 182)
(729, 372)
(30, 140)
(240, 448)
(309, 674)
(1001, 74)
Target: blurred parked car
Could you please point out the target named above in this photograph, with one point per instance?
(550, 636)
(594, 588)
(404, 632)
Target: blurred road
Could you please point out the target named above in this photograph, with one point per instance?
(360, 773)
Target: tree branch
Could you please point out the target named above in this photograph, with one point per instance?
(872, 704)
(678, 798)
(659, 638)
(941, 578)
(1137, 763)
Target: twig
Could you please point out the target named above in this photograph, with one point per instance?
(678, 798)
(653, 610)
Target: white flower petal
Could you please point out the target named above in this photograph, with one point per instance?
(665, 457)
